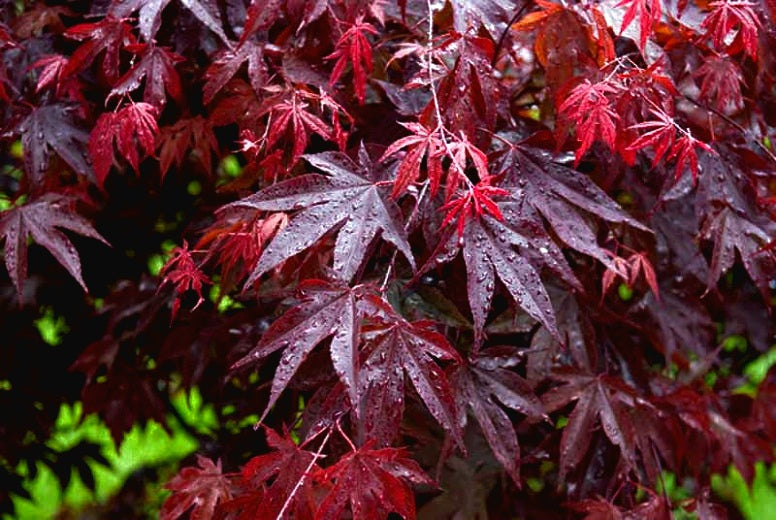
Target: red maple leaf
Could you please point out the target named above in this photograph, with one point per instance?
(474, 202)
(182, 272)
(198, 489)
(603, 399)
(237, 239)
(397, 348)
(660, 135)
(730, 15)
(277, 483)
(459, 149)
(187, 137)
(293, 114)
(131, 127)
(649, 13)
(563, 197)
(629, 270)
(226, 65)
(753, 240)
(47, 128)
(109, 35)
(423, 142)
(40, 219)
(325, 309)
(374, 483)
(684, 151)
(498, 241)
(350, 197)
(481, 383)
(51, 74)
(590, 109)
(721, 82)
(157, 68)
(354, 48)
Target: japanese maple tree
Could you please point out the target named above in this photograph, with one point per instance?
(419, 256)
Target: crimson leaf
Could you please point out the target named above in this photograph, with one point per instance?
(133, 125)
(564, 197)
(481, 382)
(109, 35)
(40, 219)
(199, 489)
(354, 48)
(280, 471)
(397, 347)
(374, 483)
(51, 127)
(325, 309)
(347, 198)
(157, 67)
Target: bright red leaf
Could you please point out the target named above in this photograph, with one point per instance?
(423, 142)
(183, 273)
(109, 35)
(590, 109)
(353, 48)
(733, 15)
(131, 127)
(648, 12)
(721, 83)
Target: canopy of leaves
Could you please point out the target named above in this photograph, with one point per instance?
(526, 248)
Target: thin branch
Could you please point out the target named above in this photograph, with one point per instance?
(407, 227)
(740, 128)
(307, 470)
(437, 111)
(506, 30)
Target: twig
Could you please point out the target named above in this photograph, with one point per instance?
(740, 128)
(316, 456)
(407, 227)
(435, 98)
(503, 36)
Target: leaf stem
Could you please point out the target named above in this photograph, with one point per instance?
(317, 455)
(435, 99)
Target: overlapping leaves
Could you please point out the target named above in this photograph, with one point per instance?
(346, 199)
